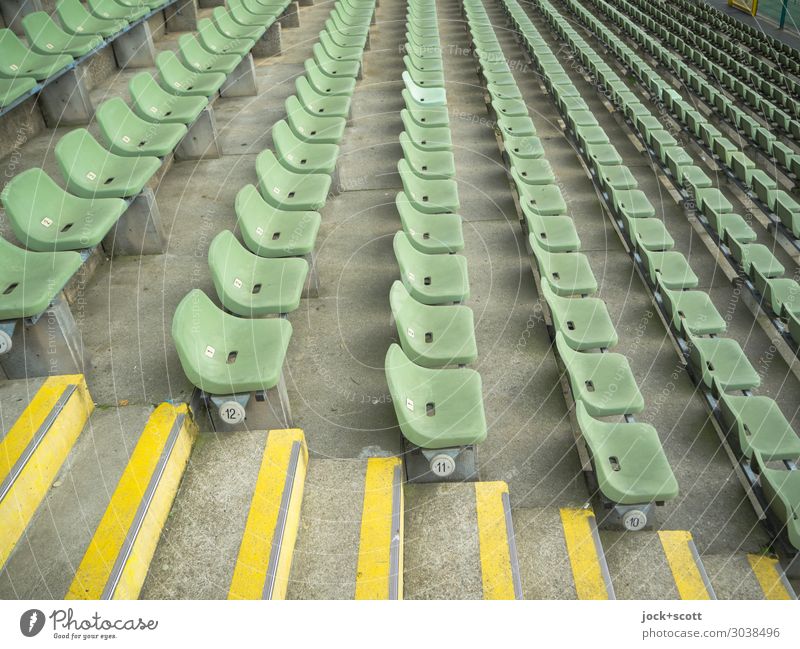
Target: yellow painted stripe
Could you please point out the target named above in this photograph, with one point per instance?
(250, 573)
(98, 563)
(374, 549)
(495, 553)
(683, 565)
(33, 482)
(587, 567)
(769, 573)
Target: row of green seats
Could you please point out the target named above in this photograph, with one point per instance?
(713, 21)
(438, 401)
(781, 207)
(54, 223)
(237, 349)
(52, 47)
(780, 296)
(760, 431)
(628, 459)
(745, 85)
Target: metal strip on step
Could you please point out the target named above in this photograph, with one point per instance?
(601, 557)
(280, 525)
(394, 547)
(512, 545)
(141, 511)
(702, 569)
(36, 440)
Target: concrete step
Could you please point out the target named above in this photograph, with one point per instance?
(655, 565)
(560, 554)
(460, 542)
(747, 576)
(75, 497)
(350, 539)
(42, 421)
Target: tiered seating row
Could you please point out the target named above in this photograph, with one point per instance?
(60, 228)
(54, 48)
(779, 296)
(628, 461)
(746, 85)
(439, 408)
(758, 430)
(231, 354)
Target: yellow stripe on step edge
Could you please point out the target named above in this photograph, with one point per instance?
(33, 481)
(588, 573)
(683, 562)
(379, 574)
(113, 568)
(770, 577)
(499, 569)
(265, 555)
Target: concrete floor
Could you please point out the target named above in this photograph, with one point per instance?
(334, 369)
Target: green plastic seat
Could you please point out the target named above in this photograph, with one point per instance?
(198, 59)
(759, 425)
(46, 37)
(126, 134)
(649, 234)
(515, 126)
(531, 172)
(319, 104)
(250, 285)
(271, 232)
(46, 218)
(431, 279)
(302, 157)
(13, 89)
(435, 408)
(523, 147)
(333, 67)
(339, 52)
(431, 234)
(109, 9)
(428, 138)
(423, 64)
(223, 354)
(426, 163)
(566, 273)
(628, 459)
(433, 336)
(428, 195)
(782, 491)
(233, 29)
(154, 104)
(342, 38)
(545, 200)
(29, 281)
(669, 268)
(693, 311)
(216, 42)
(730, 225)
(423, 96)
(75, 19)
(554, 233)
(288, 190)
(584, 322)
(181, 81)
(723, 360)
(91, 171)
(326, 85)
(426, 115)
(424, 79)
(602, 381)
(242, 15)
(616, 178)
(308, 127)
(16, 60)
(632, 203)
(756, 255)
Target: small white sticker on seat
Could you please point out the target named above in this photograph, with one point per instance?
(210, 351)
(410, 405)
